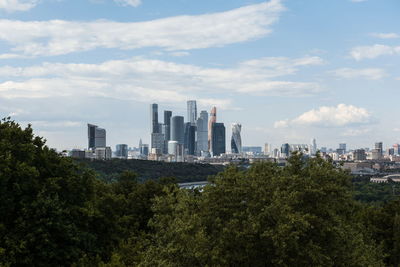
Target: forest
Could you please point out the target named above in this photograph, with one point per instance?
(56, 212)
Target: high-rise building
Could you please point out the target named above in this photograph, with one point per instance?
(379, 146)
(285, 150)
(190, 138)
(154, 118)
(202, 132)
(213, 119)
(96, 136)
(218, 139)
(157, 141)
(267, 149)
(236, 140)
(313, 147)
(396, 149)
(192, 112)
(167, 124)
(359, 154)
(121, 151)
(177, 130)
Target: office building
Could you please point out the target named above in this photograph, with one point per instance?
(202, 133)
(167, 124)
(218, 139)
(154, 118)
(396, 148)
(177, 130)
(190, 139)
(285, 150)
(313, 147)
(213, 119)
(267, 149)
(157, 141)
(359, 154)
(144, 150)
(77, 154)
(379, 146)
(376, 154)
(102, 153)
(96, 136)
(236, 140)
(192, 112)
(121, 151)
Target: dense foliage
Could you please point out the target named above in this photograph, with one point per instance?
(54, 212)
(183, 172)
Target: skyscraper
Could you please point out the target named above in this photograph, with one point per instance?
(96, 136)
(192, 112)
(213, 119)
(167, 124)
(379, 146)
(121, 151)
(236, 140)
(154, 118)
(313, 147)
(202, 132)
(177, 130)
(190, 138)
(285, 150)
(218, 139)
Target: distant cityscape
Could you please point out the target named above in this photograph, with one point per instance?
(202, 139)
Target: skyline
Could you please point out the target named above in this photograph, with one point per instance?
(288, 72)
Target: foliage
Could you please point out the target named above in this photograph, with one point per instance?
(183, 172)
(54, 212)
(300, 215)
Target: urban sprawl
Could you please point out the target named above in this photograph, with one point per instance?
(201, 139)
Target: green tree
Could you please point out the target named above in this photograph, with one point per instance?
(300, 215)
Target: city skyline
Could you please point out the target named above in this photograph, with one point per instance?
(288, 71)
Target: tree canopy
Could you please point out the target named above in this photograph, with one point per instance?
(54, 212)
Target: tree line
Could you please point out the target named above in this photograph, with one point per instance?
(54, 212)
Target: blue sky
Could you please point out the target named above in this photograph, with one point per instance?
(288, 70)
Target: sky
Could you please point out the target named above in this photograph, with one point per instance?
(287, 70)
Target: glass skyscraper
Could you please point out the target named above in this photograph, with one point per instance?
(192, 112)
(202, 132)
(96, 136)
(236, 140)
(218, 139)
(213, 119)
(177, 130)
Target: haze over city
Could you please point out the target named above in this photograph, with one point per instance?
(288, 71)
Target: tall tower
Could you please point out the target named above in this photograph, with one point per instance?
(313, 149)
(192, 112)
(218, 139)
(236, 140)
(167, 124)
(96, 136)
(154, 118)
(202, 132)
(213, 119)
(177, 130)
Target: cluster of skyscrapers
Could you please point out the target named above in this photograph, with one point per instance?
(197, 136)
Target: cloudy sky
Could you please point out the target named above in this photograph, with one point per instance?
(288, 70)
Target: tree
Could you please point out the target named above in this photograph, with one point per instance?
(299, 215)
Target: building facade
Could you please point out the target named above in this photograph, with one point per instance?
(202, 133)
(218, 139)
(96, 137)
(236, 140)
(192, 112)
(212, 120)
(178, 129)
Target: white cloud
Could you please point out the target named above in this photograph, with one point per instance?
(17, 5)
(355, 132)
(358, 1)
(339, 116)
(385, 35)
(59, 37)
(374, 51)
(133, 3)
(147, 80)
(369, 73)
